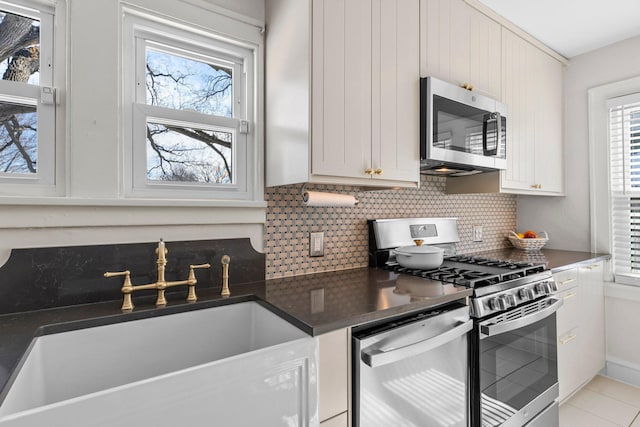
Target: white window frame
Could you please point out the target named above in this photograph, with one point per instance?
(144, 30)
(43, 182)
(599, 169)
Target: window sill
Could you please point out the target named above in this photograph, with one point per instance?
(80, 201)
(63, 212)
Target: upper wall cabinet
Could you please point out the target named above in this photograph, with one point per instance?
(460, 45)
(342, 92)
(531, 86)
(532, 89)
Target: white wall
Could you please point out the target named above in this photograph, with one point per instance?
(91, 208)
(567, 219)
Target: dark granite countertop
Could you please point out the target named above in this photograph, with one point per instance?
(324, 302)
(554, 259)
(316, 303)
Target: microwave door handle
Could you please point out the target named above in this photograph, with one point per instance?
(377, 357)
(498, 134)
(487, 331)
(488, 118)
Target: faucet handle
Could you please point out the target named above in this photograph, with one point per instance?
(191, 281)
(126, 289)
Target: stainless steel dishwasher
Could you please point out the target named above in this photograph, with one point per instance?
(413, 371)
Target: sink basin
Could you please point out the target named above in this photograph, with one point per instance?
(180, 369)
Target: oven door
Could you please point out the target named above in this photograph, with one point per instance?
(518, 369)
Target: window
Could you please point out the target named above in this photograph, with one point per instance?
(27, 108)
(189, 102)
(624, 145)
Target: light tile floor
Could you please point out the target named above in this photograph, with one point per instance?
(602, 403)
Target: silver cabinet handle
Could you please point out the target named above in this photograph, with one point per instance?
(377, 357)
(502, 327)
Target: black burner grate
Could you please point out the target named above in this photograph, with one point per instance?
(472, 272)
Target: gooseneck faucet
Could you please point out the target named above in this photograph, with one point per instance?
(160, 284)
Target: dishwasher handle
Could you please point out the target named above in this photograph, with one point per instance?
(377, 357)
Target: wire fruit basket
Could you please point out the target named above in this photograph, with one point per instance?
(529, 244)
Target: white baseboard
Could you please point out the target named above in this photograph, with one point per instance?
(623, 371)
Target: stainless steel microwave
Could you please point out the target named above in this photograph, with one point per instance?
(461, 132)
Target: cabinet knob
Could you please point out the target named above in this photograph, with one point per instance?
(538, 186)
(368, 171)
(378, 171)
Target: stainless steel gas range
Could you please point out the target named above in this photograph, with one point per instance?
(512, 355)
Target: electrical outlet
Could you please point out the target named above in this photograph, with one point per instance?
(477, 233)
(316, 244)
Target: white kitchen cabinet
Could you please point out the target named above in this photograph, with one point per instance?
(342, 92)
(460, 45)
(570, 377)
(591, 279)
(580, 324)
(567, 323)
(532, 89)
(334, 377)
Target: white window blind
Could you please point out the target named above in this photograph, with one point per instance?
(624, 142)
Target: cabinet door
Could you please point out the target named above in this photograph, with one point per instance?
(395, 90)
(519, 93)
(549, 153)
(591, 284)
(341, 88)
(532, 90)
(333, 373)
(569, 355)
(566, 279)
(569, 315)
(461, 45)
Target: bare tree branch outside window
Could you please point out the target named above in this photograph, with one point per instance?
(186, 153)
(19, 62)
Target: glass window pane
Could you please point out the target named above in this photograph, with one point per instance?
(186, 154)
(18, 138)
(19, 48)
(181, 83)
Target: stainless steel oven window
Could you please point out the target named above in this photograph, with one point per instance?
(518, 362)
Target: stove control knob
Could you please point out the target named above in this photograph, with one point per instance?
(543, 288)
(553, 285)
(526, 294)
(498, 303)
(511, 300)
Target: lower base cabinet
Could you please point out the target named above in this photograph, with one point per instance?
(334, 378)
(580, 325)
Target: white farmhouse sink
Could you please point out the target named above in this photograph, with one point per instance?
(232, 365)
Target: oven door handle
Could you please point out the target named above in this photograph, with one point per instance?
(377, 357)
(511, 325)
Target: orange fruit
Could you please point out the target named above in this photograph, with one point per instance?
(529, 234)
